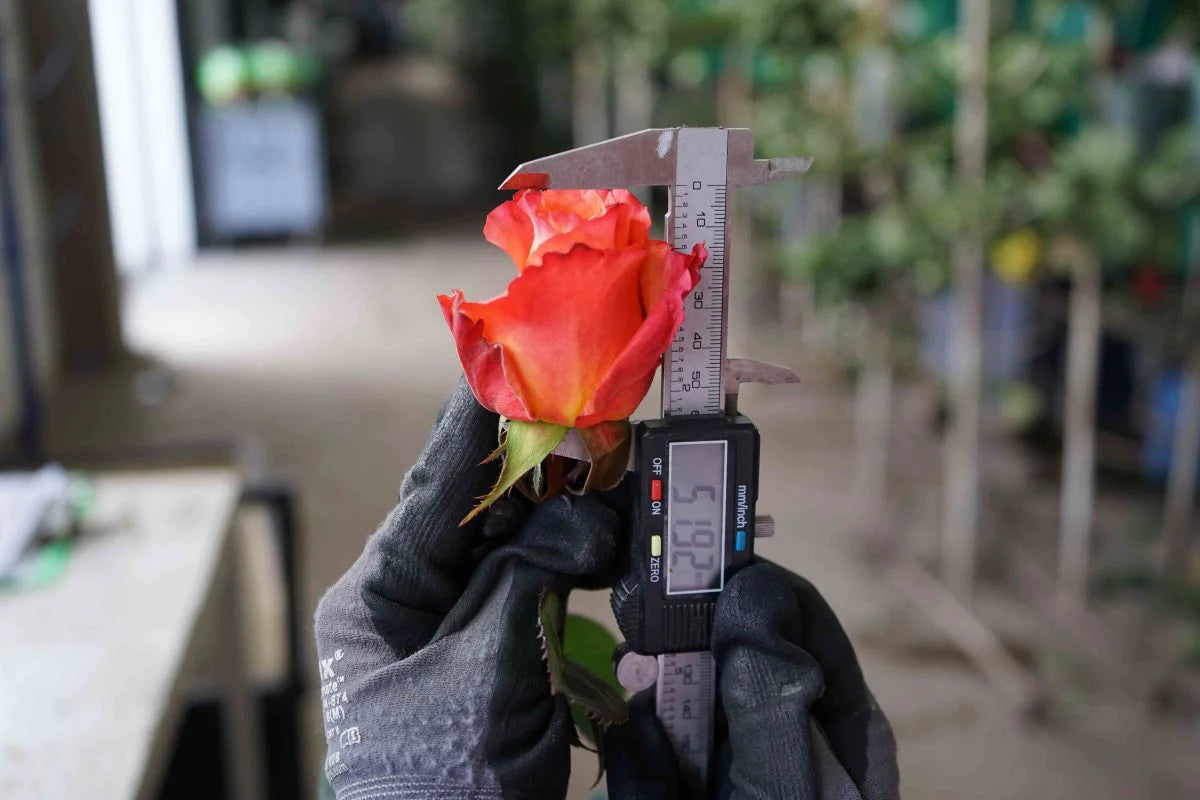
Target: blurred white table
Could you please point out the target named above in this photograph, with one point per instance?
(93, 668)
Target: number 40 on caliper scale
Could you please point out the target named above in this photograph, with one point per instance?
(696, 466)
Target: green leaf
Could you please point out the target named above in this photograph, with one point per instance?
(524, 446)
(608, 445)
(587, 641)
(601, 701)
(598, 697)
(595, 703)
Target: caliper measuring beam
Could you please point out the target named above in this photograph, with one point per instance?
(696, 467)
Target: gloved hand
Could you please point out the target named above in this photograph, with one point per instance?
(432, 679)
(801, 721)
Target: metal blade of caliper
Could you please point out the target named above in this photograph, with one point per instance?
(646, 158)
(738, 371)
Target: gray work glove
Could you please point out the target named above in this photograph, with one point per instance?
(432, 678)
(801, 722)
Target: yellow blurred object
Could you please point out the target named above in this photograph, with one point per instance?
(1021, 406)
(1016, 255)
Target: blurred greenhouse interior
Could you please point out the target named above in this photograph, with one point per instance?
(224, 224)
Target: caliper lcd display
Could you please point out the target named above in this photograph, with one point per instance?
(696, 517)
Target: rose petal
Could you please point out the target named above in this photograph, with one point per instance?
(577, 203)
(661, 270)
(555, 212)
(483, 363)
(672, 276)
(534, 223)
(562, 325)
(639, 217)
(510, 228)
(600, 233)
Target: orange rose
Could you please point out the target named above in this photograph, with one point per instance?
(575, 340)
(534, 224)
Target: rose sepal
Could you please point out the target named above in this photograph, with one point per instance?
(523, 446)
(608, 446)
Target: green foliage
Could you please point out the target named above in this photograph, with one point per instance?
(592, 645)
(1176, 594)
(1141, 23)
(1048, 164)
(866, 254)
(793, 26)
(1171, 179)
(1100, 192)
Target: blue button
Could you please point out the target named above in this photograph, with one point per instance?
(740, 541)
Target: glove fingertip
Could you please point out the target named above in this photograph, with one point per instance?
(572, 535)
(757, 607)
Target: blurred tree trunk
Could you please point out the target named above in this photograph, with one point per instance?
(633, 99)
(634, 92)
(1079, 443)
(961, 518)
(872, 431)
(589, 91)
(1181, 486)
(875, 127)
(735, 109)
(1185, 450)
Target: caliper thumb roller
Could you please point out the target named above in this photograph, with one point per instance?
(745, 684)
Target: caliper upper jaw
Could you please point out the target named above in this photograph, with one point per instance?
(645, 158)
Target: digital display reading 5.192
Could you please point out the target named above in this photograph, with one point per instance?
(696, 517)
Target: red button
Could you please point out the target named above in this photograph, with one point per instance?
(656, 490)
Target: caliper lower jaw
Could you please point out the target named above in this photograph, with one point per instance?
(737, 372)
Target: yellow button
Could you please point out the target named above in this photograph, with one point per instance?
(656, 545)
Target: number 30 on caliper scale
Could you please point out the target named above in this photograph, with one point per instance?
(697, 466)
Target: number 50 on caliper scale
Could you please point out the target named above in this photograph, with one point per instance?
(696, 467)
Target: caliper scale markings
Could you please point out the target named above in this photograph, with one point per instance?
(698, 214)
(684, 699)
(695, 365)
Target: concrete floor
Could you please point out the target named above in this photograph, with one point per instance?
(330, 365)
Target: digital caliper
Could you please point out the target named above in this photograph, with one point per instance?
(696, 467)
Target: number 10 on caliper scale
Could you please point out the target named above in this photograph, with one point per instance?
(697, 466)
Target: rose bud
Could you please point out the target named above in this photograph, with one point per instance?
(576, 338)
